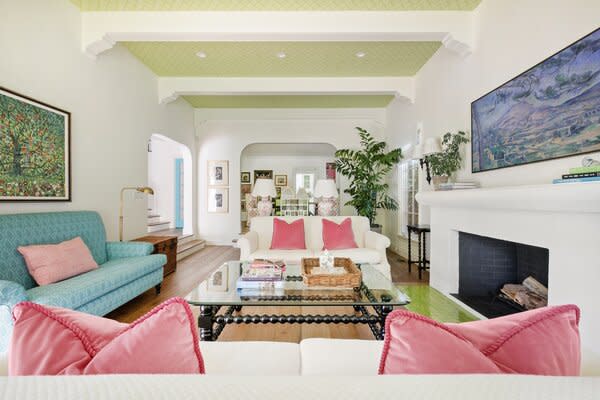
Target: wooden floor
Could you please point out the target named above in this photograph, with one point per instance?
(197, 267)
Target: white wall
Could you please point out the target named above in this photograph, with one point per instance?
(112, 100)
(223, 134)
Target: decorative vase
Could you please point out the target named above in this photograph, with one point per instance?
(438, 180)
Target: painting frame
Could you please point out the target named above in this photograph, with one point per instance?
(330, 171)
(218, 173)
(281, 180)
(66, 160)
(245, 177)
(218, 200)
(263, 174)
(475, 136)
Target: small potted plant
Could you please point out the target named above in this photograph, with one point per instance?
(448, 161)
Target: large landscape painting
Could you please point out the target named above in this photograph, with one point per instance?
(34, 150)
(549, 111)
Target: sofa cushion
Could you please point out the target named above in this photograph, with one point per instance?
(288, 256)
(58, 341)
(251, 358)
(49, 263)
(341, 357)
(288, 236)
(79, 290)
(338, 236)
(359, 255)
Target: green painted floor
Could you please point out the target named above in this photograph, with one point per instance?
(433, 304)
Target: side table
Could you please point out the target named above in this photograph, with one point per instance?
(163, 245)
(422, 262)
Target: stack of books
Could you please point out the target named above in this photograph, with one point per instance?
(260, 275)
(581, 174)
(458, 186)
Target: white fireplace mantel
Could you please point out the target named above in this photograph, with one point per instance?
(567, 197)
(563, 218)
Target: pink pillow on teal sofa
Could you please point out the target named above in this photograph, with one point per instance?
(538, 342)
(338, 236)
(49, 263)
(58, 341)
(288, 236)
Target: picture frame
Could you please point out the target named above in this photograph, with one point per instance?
(40, 168)
(545, 113)
(330, 171)
(245, 177)
(263, 174)
(218, 200)
(218, 173)
(281, 180)
(218, 281)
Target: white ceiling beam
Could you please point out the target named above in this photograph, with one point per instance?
(101, 30)
(170, 88)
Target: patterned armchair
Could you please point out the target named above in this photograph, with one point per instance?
(251, 207)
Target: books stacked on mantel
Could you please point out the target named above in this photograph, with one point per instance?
(581, 174)
(458, 186)
(261, 275)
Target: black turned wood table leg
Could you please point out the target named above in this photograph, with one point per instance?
(205, 323)
(420, 258)
(385, 311)
(409, 250)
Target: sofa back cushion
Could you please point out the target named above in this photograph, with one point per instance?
(46, 228)
(49, 263)
(288, 236)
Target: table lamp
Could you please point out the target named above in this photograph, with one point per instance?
(326, 193)
(141, 189)
(265, 189)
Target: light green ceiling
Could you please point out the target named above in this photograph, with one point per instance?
(259, 59)
(275, 5)
(289, 101)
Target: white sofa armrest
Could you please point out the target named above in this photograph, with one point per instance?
(248, 244)
(376, 241)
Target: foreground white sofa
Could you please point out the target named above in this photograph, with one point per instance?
(371, 245)
(313, 369)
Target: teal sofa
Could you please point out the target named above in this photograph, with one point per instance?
(126, 269)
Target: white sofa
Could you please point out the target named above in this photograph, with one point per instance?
(371, 245)
(312, 369)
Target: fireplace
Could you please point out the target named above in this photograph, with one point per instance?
(485, 264)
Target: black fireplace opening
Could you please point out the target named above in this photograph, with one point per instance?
(486, 264)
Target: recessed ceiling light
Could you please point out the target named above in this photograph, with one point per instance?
(360, 54)
(281, 54)
(201, 54)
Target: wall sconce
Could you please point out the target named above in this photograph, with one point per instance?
(420, 152)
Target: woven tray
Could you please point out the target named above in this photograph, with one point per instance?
(350, 279)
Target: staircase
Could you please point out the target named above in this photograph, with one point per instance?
(186, 244)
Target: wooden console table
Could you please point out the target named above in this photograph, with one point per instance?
(422, 262)
(163, 245)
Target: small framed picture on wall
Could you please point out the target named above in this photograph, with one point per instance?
(218, 200)
(330, 170)
(263, 174)
(281, 180)
(245, 177)
(218, 172)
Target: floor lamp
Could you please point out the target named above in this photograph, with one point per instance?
(142, 189)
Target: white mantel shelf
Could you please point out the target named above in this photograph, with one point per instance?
(566, 197)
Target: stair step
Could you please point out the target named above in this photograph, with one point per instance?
(154, 219)
(189, 248)
(159, 223)
(185, 239)
(158, 226)
(153, 215)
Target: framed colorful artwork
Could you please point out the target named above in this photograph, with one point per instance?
(35, 150)
(218, 200)
(245, 177)
(281, 180)
(263, 174)
(218, 172)
(330, 170)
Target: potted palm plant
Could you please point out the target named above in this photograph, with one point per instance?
(448, 161)
(367, 168)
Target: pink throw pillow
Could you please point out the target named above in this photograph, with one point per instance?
(538, 342)
(58, 341)
(288, 236)
(49, 263)
(338, 237)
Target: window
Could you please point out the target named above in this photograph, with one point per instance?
(305, 180)
(408, 186)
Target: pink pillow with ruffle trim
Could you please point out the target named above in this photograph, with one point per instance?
(58, 341)
(537, 342)
(49, 263)
(288, 236)
(338, 237)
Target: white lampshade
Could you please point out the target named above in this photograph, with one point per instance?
(325, 188)
(264, 188)
(417, 153)
(432, 145)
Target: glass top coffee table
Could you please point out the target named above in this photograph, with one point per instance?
(372, 302)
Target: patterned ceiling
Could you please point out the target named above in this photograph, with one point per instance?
(275, 5)
(289, 101)
(259, 59)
